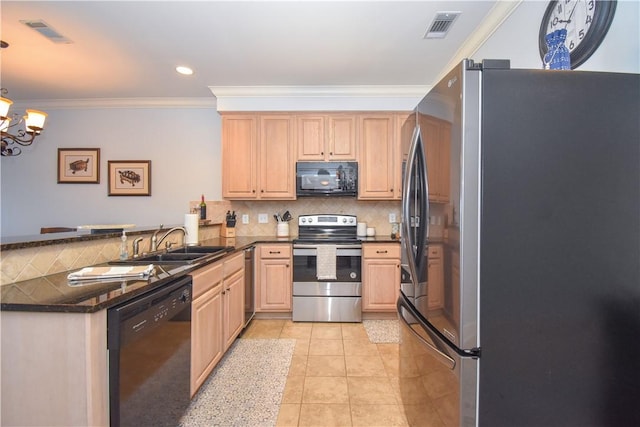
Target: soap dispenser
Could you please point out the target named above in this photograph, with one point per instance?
(124, 253)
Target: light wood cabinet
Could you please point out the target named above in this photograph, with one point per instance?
(206, 323)
(436, 135)
(326, 137)
(258, 156)
(405, 125)
(233, 298)
(217, 314)
(380, 276)
(435, 263)
(274, 278)
(377, 136)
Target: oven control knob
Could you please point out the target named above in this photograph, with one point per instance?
(344, 220)
(310, 219)
(303, 219)
(353, 275)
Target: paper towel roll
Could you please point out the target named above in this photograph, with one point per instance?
(191, 222)
(361, 229)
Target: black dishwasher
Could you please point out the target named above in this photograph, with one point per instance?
(149, 344)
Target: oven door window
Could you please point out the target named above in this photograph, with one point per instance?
(348, 265)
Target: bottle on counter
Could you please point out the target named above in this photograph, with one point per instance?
(124, 252)
(203, 209)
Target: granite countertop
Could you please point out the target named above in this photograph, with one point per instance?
(54, 293)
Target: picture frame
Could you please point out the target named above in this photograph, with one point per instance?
(129, 177)
(78, 165)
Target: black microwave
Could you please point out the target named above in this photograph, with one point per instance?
(326, 179)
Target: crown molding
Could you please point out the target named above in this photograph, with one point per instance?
(62, 104)
(318, 98)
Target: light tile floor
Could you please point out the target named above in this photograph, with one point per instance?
(337, 376)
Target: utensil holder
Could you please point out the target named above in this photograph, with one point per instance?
(282, 229)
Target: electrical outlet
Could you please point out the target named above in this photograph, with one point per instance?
(245, 219)
(263, 218)
(392, 217)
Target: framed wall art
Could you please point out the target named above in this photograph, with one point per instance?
(129, 177)
(78, 165)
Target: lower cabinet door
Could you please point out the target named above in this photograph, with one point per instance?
(233, 300)
(206, 336)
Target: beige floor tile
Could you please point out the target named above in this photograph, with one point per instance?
(302, 347)
(318, 347)
(298, 365)
(325, 415)
(422, 416)
(359, 347)
(263, 328)
(293, 390)
(378, 415)
(325, 366)
(388, 348)
(365, 366)
(354, 331)
(410, 391)
(326, 331)
(325, 390)
(296, 330)
(289, 415)
(370, 391)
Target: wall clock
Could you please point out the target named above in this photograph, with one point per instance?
(586, 22)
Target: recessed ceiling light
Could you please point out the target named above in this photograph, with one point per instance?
(184, 70)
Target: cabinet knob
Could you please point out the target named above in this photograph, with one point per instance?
(331, 153)
(274, 252)
(382, 252)
(262, 191)
(322, 153)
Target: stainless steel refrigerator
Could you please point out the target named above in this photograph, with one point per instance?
(539, 320)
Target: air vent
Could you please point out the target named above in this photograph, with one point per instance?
(441, 25)
(45, 29)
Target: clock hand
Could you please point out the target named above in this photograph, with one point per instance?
(570, 15)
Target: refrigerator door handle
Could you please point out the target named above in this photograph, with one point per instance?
(442, 357)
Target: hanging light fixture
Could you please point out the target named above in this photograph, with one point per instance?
(33, 125)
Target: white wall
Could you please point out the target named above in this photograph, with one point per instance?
(517, 39)
(183, 145)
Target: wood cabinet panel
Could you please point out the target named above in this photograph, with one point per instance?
(436, 135)
(311, 137)
(274, 279)
(277, 157)
(233, 307)
(239, 156)
(258, 156)
(342, 137)
(380, 276)
(327, 137)
(376, 156)
(206, 335)
(435, 265)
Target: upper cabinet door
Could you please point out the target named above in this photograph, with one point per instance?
(377, 137)
(239, 156)
(311, 137)
(326, 137)
(277, 157)
(341, 137)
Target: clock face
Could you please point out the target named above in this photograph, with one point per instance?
(586, 22)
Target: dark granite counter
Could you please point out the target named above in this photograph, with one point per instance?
(54, 293)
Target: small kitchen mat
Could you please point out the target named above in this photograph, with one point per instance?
(382, 331)
(246, 387)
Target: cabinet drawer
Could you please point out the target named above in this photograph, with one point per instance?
(206, 278)
(435, 251)
(233, 264)
(379, 250)
(275, 251)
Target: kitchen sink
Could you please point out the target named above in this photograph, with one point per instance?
(184, 255)
(200, 250)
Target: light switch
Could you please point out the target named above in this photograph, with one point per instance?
(263, 218)
(245, 219)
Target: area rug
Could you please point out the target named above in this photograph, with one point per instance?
(382, 331)
(246, 387)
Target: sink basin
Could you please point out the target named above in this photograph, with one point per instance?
(184, 255)
(200, 250)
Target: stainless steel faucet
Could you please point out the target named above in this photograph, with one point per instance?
(155, 242)
(136, 247)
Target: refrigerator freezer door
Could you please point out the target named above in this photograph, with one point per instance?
(437, 386)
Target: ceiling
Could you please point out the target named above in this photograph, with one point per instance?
(129, 49)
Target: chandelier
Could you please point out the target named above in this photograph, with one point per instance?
(33, 125)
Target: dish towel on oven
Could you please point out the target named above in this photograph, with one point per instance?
(326, 262)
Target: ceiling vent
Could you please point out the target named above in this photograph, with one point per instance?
(45, 29)
(441, 25)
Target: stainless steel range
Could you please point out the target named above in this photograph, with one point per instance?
(327, 260)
